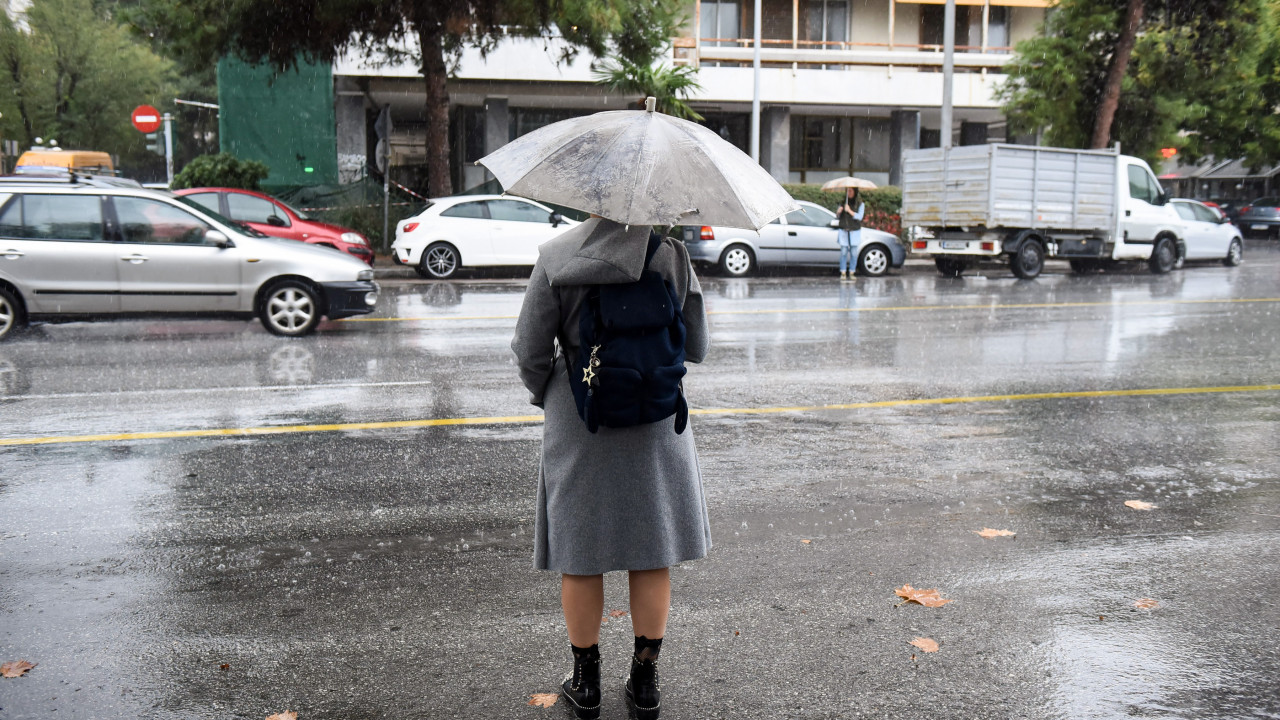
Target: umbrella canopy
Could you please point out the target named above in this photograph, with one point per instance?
(638, 167)
(848, 182)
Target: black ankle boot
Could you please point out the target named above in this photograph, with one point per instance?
(644, 693)
(582, 687)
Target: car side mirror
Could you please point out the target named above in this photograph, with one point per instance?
(275, 221)
(555, 219)
(834, 224)
(219, 238)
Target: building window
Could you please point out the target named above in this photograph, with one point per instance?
(998, 28)
(827, 21)
(968, 27)
(720, 21)
(733, 127)
(823, 148)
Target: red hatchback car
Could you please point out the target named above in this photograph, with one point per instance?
(271, 216)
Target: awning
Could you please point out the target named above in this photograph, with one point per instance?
(1002, 3)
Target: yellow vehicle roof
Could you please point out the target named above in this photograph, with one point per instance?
(70, 159)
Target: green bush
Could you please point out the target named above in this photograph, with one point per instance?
(221, 170)
(884, 204)
(887, 200)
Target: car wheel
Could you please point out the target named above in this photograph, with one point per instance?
(874, 261)
(1235, 254)
(949, 267)
(10, 313)
(439, 261)
(1028, 261)
(737, 261)
(290, 308)
(1163, 256)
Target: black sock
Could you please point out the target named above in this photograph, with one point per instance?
(647, 649)
(586, 653)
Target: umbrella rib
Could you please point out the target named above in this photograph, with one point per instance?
(635, 177)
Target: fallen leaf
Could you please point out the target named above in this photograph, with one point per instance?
(224, 666)
(736, 633)
(988, 533)
(16, 668)
(286, 715)
(617, 613)
(925, 644)
(1102, 617)
(545, 700)
(1145, 603)
(1139, 505)
(928, 598)
(806, 542)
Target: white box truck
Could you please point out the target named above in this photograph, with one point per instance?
(1020, 204)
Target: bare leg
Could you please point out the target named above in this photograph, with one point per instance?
(650, 601)
(582, 597)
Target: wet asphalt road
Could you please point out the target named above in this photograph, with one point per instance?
(860, 434)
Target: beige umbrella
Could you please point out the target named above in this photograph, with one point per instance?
(848, 182)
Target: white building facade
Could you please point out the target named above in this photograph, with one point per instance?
(846, 85)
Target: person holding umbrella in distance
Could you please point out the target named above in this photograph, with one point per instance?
(612, 312)
(849, 221)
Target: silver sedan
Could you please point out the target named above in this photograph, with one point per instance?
(805, 237)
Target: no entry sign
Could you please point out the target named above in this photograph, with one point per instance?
(146, 118)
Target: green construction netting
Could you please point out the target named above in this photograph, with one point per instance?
(282, 118)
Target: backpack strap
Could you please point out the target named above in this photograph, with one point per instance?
(682, 410)
(655, 242)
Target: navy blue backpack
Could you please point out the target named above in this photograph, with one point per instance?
(631, 360)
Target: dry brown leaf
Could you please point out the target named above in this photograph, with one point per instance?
(989, 533)
(925, 644)
(286, 715)
(1145, 603)
(806, 542)
(617, 613)
(16, 668)
(545, 700)
(224, 666)
(928, 598)
(1139, 505)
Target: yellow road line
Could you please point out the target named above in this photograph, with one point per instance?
(886, 308)
(517, 419)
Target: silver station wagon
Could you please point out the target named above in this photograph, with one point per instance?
(73, 250)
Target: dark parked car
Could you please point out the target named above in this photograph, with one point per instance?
(1260, 218)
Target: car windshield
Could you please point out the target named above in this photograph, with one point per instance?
(1266, 201)
(243, 228)
(301, 215)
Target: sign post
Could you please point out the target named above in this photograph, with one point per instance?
(168, 147)
(148, 121)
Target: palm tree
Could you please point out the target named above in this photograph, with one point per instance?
(672, 86)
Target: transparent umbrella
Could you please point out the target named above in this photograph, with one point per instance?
(638, 167)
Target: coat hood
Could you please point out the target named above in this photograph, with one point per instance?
(596, 252)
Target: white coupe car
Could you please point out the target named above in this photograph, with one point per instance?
(474, 231)
(1209, 236)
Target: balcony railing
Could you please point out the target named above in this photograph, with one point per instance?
(774, 53)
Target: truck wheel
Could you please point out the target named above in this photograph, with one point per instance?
(1163, 256)
(949, 267)
(737, 261)
(1028, 261)
(1235, 254)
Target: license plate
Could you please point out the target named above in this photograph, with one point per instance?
(955, 245)
(1259, 227)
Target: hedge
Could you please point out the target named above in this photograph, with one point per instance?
(884, 204)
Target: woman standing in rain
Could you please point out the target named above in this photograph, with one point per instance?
(849, 216)
(620, 498)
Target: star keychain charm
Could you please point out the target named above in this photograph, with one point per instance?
(588, 375)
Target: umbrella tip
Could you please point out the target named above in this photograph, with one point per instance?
(650, 103)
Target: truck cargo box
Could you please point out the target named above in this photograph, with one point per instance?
(1010, 186)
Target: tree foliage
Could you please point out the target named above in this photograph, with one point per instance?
(670, 86)
(70, 72)
(221, 170)
(432, 32)
(1197, 78)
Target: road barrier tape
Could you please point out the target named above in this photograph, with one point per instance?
(526, 419)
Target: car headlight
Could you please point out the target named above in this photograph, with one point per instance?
(354, 238)
(364, 275)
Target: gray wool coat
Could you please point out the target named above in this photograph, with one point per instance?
(622, 498)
